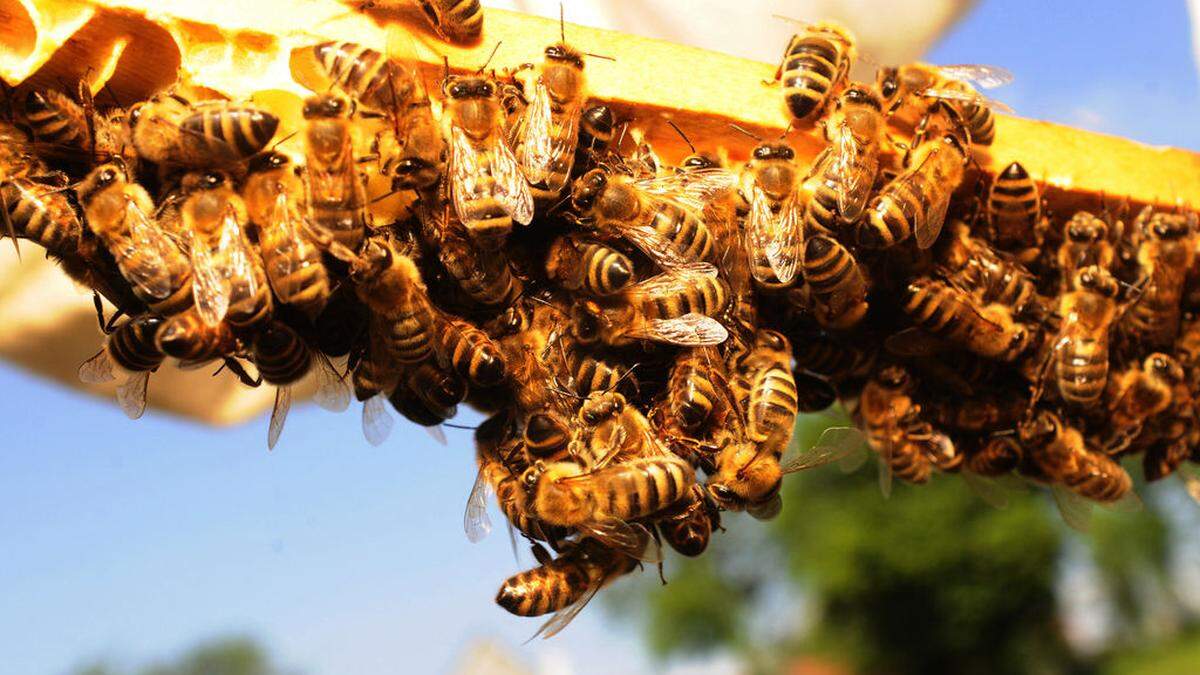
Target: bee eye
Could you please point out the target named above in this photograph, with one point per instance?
(486, 90)
(722, 493)
(107, 176)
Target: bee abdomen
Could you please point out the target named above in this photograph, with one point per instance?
(689, 234)
(606, 271)
(280, 354)
(471, 352)
(545, 589)
(46, 220)
(133, 345)
(773, 403)
(1082, 371)
(56, 119)
(809, 70)
(229, 131)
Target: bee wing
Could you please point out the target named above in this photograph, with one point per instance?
(656, 247)
(988, 488)
(377, 422)
(775, 236)
(476, 522)
(835, 445)
(285, 260)
(211, 288)
(854, 167)
(988, 77)
(930, 227)
(150, 248)
(535, 150)
(688, 189)
(131, 394)
(560, 619)
(1076, 511)
(233, 247)
(333, 391)
(689, 330)
(279, 413)
(466, 166)
(674, 280)
(566, 139)
(966, 97)
(98, 369)
(511, 187)
(632, 539)
(437, 433)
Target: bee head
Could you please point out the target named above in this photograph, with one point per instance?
(725, 497)
(376, 257)
(587, 189)
(894, 377)
(564, 53)
(772, 340)
(585, 322)
(1169, 228)
(1097, 280)
(769, 151)
(327, 106)
(888, 82)
(1164, 367)
(529, 479)
(601, 406)
(207, 180)
(862, 95)
(699, 161)
(268, 161)
(102, 177)
(460, 88)
(1085, 228)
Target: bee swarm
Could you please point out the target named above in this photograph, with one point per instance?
(641, 333)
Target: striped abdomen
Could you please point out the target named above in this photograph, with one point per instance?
(470, 352)
(979, 121)
(363, 74)
(225, 132)
(706, 295)
(440, 390)
(1014, 206)
(133, 345)
(484, 276)
(172, 268)
(294, 267)
(689, 530)
(280, 354)
(56, 120)
(187, 337)
(1082, 368)
(691, 393)
(813, 65)
(407, 336)
(46, 219)
(826, 356)
(907, 460)
(484, 215)
(836, 281)
(942, 310)
(773, 402)
(246, 311)
(596, 130)
(605, 271)
(641, 486)
(687, 233)
(459, 20)
(998, 456)
(591, 374)
(1095, 476)
(547, 588)
(899, 209)
(1155, 318)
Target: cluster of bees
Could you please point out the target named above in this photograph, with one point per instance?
(641, 336)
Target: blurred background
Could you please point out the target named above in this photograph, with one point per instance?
(166, 547)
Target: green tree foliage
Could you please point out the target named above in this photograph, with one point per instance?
(230, 656)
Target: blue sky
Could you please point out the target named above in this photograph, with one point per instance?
(133, 540)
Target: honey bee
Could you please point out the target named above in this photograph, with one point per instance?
(974, 265)
(412, 152)
(1084, 242)
(590, 267)
(1081, 349)
(565, 584)
(914, 203)
(906, 91)
(813, 394)
(836, 359)
(982, 413)
(187, 337)
(951, 313)
(42, 215)
(815, 65)
(117, 210)
(675, 307)
(363, 74)
(372, 378)
(454, 20)
(469, 351)
(688, 526)
(596, 130)
(1138, 394)
(894, 426)
(171, 130)
(837, 283)
(499, 474)
(389, 283)
(698, 395)
(292, 263)
(228, 279)
(1164, 257)
(486, 278)
(595, 373)
(131, 349)
(283, 358)
(544, 413)
(1014, 209)
(1059, 451)
(845, 174)
(660, 215)
(336, 195)
(548, 132)
(763, 379)
(440, 390)
(486, 185)
(773, 228)
(997, 456)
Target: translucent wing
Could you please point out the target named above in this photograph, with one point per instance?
(437, 433)
(145, 254)
(560, 619)
(927, 229)
(674, 280)
(286, 258)
(966, 97)
(688, 189)
(233, 248)
(98, 369)
(476, 522)
(988, 488)
(834, 445)
(1076, 511)
(511, 187)
(632, 539)
(535, 152)
(333, 391)
(377, 422)
(657, 247)
(466, 167)
(774, 236)
(988, 77)
(689, 330)
(279, 413)
(211, 288)
(566, 139)
(854, 167)
(131, 394)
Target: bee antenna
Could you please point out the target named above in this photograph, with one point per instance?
(682, 135)
(790, 20)
(746, 132)
(562, 24)
(459, 426)
(490, 57)
(9, 227)
(446, 66)
(600, 56)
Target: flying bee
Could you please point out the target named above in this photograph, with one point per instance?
(845, 174)
(1164, 258)
(117, 210)
(949, 312)
(1084, 242)
(132, 349)
(293, 265)
(837, 282)
(363, 74)
(908, 90)
(563, 585)
(171, 130)
(469, 351)
(1014, 209)
(1138, 394)
(587, 266)
(774, 225)
(815, 66)
(486, 185)
(1059, 451)
(389, 283)
(548, 132)
(228, 279)
(412, 152)
(660, 214)
(689, 525)
(675, 307)
(283, 358)
(1080, 351)
(336, 195)
(914, 203)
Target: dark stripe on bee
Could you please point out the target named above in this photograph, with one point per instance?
(133, 345)
(811, 64)
(280, 354)
(238, 131)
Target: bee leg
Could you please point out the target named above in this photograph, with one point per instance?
(661, 576)
(237, 369)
